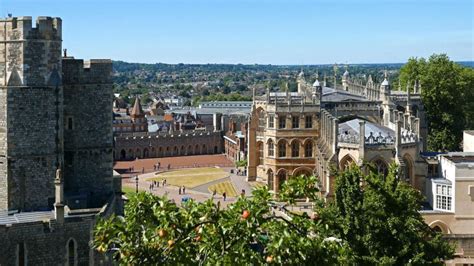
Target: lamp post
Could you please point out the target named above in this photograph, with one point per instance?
(136, 184)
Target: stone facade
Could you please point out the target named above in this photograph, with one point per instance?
(235, 141)
(319, 128)
(56, 148)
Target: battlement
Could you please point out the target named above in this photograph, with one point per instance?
(94, 71)
(48, 28)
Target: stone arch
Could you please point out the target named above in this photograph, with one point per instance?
(168, 152)
(380, 166)
(204, 149)
(160, 152)
(346, 161)
(182, 151)
(281, 177)
(123, 154)
(281, 147)
(441, 225)
(130, 154)
(71, 252)
(153, 152)
(138, 153)
(270, 179)
(295, 148)
(175, 150)
(305, 171)
(216, 149)
(146, 153)
(409, 174)
(190, 150)
(196, 149)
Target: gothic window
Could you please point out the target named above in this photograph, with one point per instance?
(282, 122)
(271, 148)
(308, 149)
(308, 121)
(281, 178)
(261, 120)
(271, 121)
(295, 149)
(381, 167)
(270, 179)
(21, 255)
(71, 253)
(282, 149)
(443, 197)
(295, 121)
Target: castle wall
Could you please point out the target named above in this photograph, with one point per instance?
(88, 136)
(30, 111)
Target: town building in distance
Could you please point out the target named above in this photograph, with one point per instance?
(56, 153)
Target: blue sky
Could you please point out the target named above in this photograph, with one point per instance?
(259, 31)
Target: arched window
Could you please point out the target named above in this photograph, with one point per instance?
(71, 253)
(308, 149)
(281, 178)
(271, 148)
(260, 153)
(146, 153)
(204, 149)
(345, 162)
(261, 120)
(270, 179)
(123, 155)
(381, 167)
(295, 149)
(21, 254)
(196, 150)
(138, 153)
(282, 148)
(437, 229)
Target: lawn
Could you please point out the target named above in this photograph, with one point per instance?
(191, 177)
(222, 187)
(256, 184)
(129, 191)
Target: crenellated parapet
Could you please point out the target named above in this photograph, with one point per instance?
(95, 71)
(30, 54)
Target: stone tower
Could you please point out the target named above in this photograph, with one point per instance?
(31, 124)
(138, 117)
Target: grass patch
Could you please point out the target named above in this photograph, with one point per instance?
(129, 191)
(191, 177)
(222, 187)
(256, 184)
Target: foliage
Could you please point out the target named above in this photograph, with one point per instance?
(156, 231)
(447, 93)
(381, 222)
(241, 163)
(377, 223)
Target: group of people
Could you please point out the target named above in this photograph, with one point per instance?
(156, 183)
(242, 172)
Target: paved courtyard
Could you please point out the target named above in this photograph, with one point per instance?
(188, 166)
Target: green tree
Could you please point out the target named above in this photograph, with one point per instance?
(447, 93)
(380, 220)
(377, 223)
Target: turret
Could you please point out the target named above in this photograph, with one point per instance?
(385, 89)
(408, 107)
(345, 80)
(317, 90)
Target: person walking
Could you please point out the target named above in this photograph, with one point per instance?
(184, 190)
(179, 190)
(224, 195)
